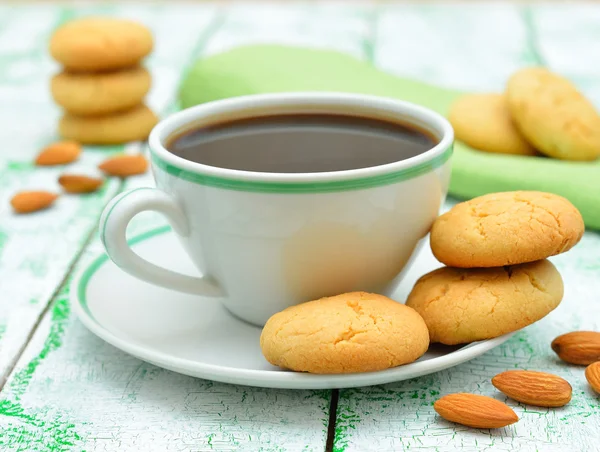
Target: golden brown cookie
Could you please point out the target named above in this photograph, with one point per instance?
(553, 115)
(506, 228)
(483, 122)
(100, 93)
(466, 305)
(121, 127)
(100, 44)
(353, 332)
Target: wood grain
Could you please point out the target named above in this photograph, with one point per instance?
(71, 391)
(476, 49)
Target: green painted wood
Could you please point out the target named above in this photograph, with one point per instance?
(36, 251)
(476, 47)
(70, 390)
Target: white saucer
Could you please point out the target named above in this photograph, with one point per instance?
(199, 337)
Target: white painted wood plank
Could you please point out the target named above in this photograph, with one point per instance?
(37, 250)
(401, 416)
(97, 398)
(332, 25)
(71, 391)
(471, 46)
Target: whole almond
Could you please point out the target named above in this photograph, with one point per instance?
(59, 153)
(76, 183)
(578, 347)
(592, 374)
(31, 201)
(475, 410)
(534, 388)
(124, 165)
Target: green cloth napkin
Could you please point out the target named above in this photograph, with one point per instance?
(270, 68)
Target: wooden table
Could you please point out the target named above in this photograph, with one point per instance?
(65, 389)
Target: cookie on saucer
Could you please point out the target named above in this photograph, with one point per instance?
(483, 122)
(466, 305)
(352, 332)
(553, 115)
(506, 228)
(100, 93)
(100, 44)
(116, 128)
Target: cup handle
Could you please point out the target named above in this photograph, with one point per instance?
(113, 225)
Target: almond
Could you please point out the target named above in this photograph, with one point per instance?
(125, 165)
(534, 388)
(59, 153)
(76, 183)
(31, 201)
(592, 374)
(475, 410)
(578, 347)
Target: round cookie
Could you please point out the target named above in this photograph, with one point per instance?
(483, 122)
(506, 228)
(353, 332)
(122, 127)
(100, 93)
(553, 115)
(466, 305)
(100, 44)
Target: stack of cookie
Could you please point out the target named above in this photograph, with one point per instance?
(539, 112)
(102, 85)
(498, 278)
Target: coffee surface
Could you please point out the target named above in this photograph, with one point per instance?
(300, 143)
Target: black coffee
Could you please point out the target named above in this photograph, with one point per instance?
(300, 143)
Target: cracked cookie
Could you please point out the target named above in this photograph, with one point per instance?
(100, 93)
(352, 332)
(506, 228)
(483, 121)
(466, 305)
(100, 44)
(115, 128)
(553, 115)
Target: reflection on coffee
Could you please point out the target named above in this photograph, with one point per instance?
(300, 143)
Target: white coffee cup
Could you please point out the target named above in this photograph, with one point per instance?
(266, 241)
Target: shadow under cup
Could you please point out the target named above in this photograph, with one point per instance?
(292, 197)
